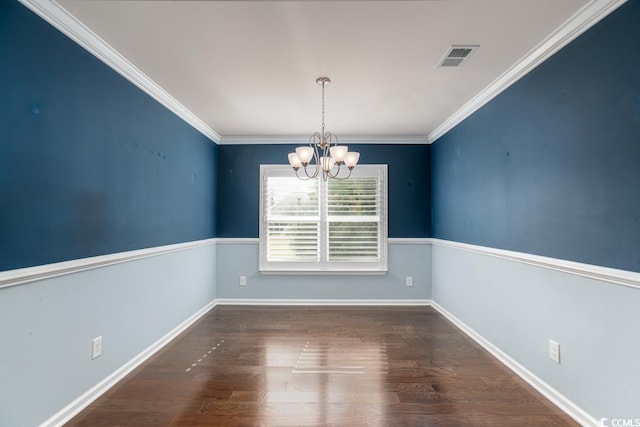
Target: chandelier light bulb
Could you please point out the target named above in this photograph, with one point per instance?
(294, 161)
(351, 159)
(304, 154)
(338, 152)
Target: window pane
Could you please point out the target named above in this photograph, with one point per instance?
(293, 242)
(354, 241)
(292, 220)
(355, 196)
(287, 196)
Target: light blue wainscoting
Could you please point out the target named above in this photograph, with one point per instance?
(46, 326)
(237, 259)
(519, 307)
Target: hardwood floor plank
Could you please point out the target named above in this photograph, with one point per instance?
(322, 366)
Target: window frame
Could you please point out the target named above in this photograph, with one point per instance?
(324, 266)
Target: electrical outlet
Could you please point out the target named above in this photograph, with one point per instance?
(96, 347)
(554, 351)
(409, 281)
(243, 280)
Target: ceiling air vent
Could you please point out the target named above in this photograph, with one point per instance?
(456, 55)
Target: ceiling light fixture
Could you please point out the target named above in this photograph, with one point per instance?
(323, 148)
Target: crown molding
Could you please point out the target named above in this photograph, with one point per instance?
(60, 18)
(581, 21)
(589, 15)
(304, 139)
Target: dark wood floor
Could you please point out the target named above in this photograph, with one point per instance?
(284, 366)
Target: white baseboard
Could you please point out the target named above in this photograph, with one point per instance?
(73, 408)
(545, 389)
(320, 302)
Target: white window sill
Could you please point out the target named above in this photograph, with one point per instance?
(325, 272)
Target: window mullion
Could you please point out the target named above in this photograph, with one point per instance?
(324, 228)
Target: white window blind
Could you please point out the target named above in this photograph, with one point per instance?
(353, 219)
(323, 226)
(292, 220)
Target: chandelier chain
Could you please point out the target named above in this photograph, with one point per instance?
(323, 83)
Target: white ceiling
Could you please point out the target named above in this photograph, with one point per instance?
(249, 67)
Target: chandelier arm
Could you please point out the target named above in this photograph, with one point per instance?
(334, 175)
(343, 178)
(316, 150)
(316, 155)
(313, 175)
(316, 158)
(302, 178)
(331, 139)
(322, 153)
(315, 139)
(313, 144)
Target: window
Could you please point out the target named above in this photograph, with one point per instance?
(316, 226)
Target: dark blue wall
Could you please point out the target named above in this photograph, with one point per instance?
(89, 164)
(552, 165)
(409, 185)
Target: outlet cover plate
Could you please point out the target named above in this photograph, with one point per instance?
(96, 347)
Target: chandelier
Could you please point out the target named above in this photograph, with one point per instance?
(323, 149)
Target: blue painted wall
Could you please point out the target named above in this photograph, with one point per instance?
(552, 165)
(89, 164)
(409, 185)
